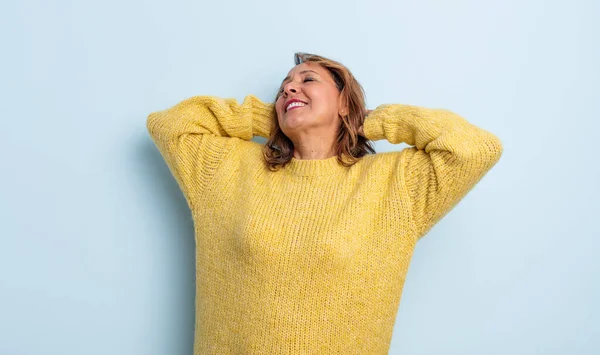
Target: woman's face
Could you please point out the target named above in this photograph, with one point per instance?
(313, 85)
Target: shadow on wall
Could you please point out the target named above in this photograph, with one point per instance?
(179, 254)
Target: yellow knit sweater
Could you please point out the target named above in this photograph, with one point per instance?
(310, 259)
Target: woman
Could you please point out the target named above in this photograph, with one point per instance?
(303, 244)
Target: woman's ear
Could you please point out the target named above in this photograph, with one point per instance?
(344, 111)
(343, 107)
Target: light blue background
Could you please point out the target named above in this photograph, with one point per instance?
(97, 246)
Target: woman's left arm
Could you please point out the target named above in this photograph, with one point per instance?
(448, 158)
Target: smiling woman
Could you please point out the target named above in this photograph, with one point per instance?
(326, 123)
(311, 257)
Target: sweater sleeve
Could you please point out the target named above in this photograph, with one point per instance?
(196, 134)
(449, 156)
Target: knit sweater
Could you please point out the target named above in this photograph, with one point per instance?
(310, 259)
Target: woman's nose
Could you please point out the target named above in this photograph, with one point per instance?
(290, 88)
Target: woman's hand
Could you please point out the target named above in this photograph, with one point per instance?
(360, 129)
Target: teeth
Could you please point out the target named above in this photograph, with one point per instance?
(294, 104)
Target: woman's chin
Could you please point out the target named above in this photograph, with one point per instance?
(294, 121)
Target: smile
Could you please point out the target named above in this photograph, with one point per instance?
(294, 105)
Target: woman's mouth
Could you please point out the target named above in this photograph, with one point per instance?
(295, 104)
(293, 108)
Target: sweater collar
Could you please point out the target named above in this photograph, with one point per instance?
(315, 167)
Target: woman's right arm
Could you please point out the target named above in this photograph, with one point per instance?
(195, 135)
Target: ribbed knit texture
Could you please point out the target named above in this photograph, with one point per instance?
(310, 259)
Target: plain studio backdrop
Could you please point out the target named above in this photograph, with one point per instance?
(97, 245)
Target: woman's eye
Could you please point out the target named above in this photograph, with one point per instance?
(305, 80)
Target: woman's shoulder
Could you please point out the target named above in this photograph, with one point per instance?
(383, 159)
(246, 150)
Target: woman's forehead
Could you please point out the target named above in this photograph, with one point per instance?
(306, 66)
